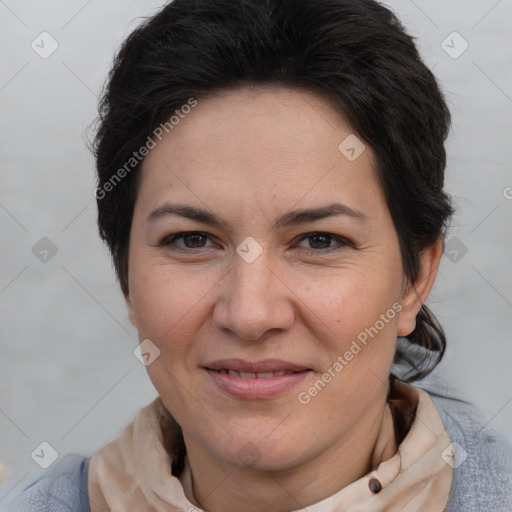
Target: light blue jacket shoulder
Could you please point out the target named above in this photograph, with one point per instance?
(482, 479)
(61, 488)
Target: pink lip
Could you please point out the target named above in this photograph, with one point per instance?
(256, 388)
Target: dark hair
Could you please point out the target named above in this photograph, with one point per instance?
(353, 52)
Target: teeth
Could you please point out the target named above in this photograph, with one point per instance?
(247, 375)
(252, 375)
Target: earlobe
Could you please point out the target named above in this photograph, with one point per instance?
(416, 293)
(129, 307)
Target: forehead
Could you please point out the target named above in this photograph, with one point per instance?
(261, 142)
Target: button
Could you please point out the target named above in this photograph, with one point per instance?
(374, 485)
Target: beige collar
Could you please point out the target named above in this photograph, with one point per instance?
(133, 472)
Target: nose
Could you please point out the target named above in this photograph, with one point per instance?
(253, 300)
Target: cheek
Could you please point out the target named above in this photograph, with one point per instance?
(359, 313)
(358, 338)
(169, 308)
(166, 301)
(349, 301)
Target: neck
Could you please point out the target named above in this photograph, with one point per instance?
(218, 486)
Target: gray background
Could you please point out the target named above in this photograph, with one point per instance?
(67, 372)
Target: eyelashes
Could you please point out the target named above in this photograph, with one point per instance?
(170, 240)
(196, 239)
(325, 237)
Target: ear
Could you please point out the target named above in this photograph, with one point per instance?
(129, 306)
(416, 293)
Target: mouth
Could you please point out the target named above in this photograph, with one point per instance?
(252, 375)
(255, 379)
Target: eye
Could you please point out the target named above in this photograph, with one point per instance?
(191, 240)
(321, 242)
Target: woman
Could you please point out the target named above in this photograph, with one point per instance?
(270, 185)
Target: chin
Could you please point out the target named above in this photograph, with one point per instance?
(247, 452)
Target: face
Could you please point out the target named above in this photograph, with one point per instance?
(265, 267)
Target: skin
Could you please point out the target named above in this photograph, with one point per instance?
(250, 155)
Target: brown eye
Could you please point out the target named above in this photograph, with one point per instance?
(191, 240)
(324, 242)
(320, 241)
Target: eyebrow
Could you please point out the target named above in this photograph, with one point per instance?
(293, 217)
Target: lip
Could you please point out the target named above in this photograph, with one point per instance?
(255, 388)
